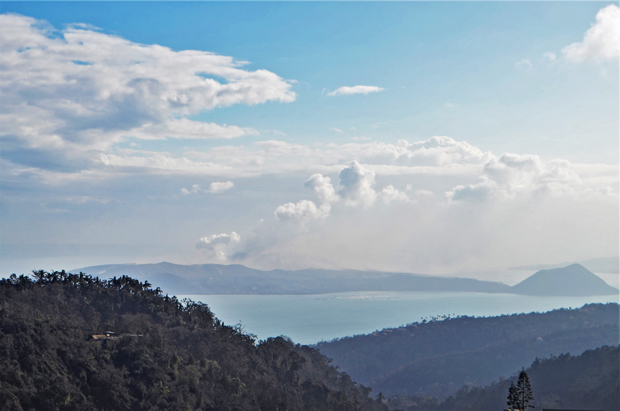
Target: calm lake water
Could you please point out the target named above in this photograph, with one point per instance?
(308, 319)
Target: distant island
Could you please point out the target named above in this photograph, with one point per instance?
(574, 280)
(609, 265)
(212, 279)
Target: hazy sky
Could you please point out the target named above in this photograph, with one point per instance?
(423, 137)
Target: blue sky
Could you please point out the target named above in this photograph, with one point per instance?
(425, 55)
(527, 101)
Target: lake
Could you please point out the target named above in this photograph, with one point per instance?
(308, 319)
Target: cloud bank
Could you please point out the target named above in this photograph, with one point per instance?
(73, 93)
(78, 106)
(480, 210)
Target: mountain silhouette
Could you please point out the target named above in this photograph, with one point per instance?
(239, 279)
(573, 280)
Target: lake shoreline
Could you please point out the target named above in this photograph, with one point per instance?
(309, 319)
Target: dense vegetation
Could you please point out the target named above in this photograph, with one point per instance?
(589, 381)
(166, 355)
(437, 358)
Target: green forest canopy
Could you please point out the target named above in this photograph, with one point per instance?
(178, 357)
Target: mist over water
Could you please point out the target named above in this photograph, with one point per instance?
(308, 319)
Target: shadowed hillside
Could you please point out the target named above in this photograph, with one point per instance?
(588, 381)
(439, 357)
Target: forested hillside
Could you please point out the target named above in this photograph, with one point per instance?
(164, 355)
(437, 358)
(589, 381)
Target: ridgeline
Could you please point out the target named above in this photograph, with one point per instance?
(238, 279)
(437, 358)
(590, 381)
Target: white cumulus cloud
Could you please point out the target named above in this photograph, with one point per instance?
(214, 188)
(194, 190)
(216, 245)
(514, 175)
(356, 190)
(389, 194)
(302, 211)
(601, 41)
(476, 192)
(220, 186)
(357, 185)
(323, 187)
(345, 90)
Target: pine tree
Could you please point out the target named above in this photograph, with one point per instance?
(520, 395)
(512, 396)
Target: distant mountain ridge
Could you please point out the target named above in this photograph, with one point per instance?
(238, 279)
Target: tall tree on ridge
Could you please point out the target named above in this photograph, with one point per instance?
(520, 395)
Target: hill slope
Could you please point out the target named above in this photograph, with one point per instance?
(165, 355)
(438, 357)
(574, 280)
(588, 381)
(238, 279)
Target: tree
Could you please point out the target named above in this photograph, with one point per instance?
(512, 396)
(520, 395)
